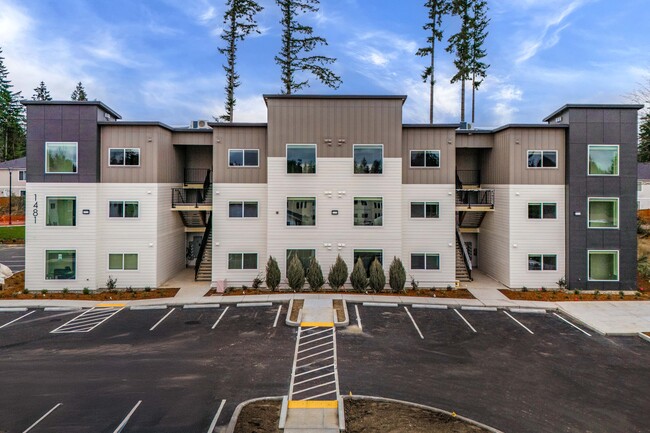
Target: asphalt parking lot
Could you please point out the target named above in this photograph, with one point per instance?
(13, 256)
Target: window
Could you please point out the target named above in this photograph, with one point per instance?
(425, 209)
(127, 157)
(242, 261)
(60, 264)
(367, 257)
(123, 209)
(301, 158)
(422, 261)
(60, 158)
(425, 158)
(603, 265)
(22, 175)
(537, 211)
(243, 157)
(542, 159)
(305, 257)
(368, 158)
(242, 209)
(639, 186)
(542, 262)
(603, 160)
(603, 213)
(123, 262)
(61, 211)
(301, 211)
(368, 211)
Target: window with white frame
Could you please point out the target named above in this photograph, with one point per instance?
(242, 261)
(301, 158)
(425, 158)
(603, 265)
(60, 264)
(538, 211)
(22, 175)
(368, 211)
(123, 209)
(61, 158)
(243, 157)
(301, 211)
(242, 209)
(603, 160)
(129, 157)
(61, 211)
(425, 261)
(367, 257)
(542, 159)
(123, 262)
(603, 213)
(421, 209)
(542, 262)
(304, 255)
(368, 158)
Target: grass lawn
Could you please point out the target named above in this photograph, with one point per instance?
(9, 234)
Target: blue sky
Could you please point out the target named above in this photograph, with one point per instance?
(158, 59)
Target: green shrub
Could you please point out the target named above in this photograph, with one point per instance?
(561, 283)
(25, 291)
(524, 289)
(358, 277)
(257, 282)
(338, 274)
(111, 283)
(576, 292)
(86, 291)
(147, 289)
(315, 275)
(621, 294)
(65, 290)
(295, 273)
(396, 275)
(377, 280)
(44, 292)
(414, 283)
(272, 274)
(129, 289)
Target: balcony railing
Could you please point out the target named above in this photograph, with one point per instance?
(475, 197)
(197, 176)
(190, 197)
(468, 177)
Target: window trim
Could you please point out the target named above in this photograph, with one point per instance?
(124, 149)
(243, 202)
(425, 158)
(108, 262)
(618, 212)
(557, 159)
(425, 261)
(243, 159)
(618, 159)
(286, 209)
(123, 217)
(618, 265)
(76, 166)
(257, 261)
(75, 265)
(541, 204)
(424, 218)
(47, 197)
(22, 174)
(286, 255)
(369, 198)
(542, 255)
(286, 156)
(354, 262)
(354, 146)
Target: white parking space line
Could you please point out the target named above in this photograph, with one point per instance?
(88, 320)
(579, 329)
(220, 317)
(42, 418)
(126, 420)
(161, 320)
(519, 323)
(465, 320)
(356, 310)
(277, 316)
(216, 417)
(414, 324)
(15, 320)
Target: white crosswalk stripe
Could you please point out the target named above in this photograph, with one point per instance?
(88, 320)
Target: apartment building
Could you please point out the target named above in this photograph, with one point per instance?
(527, 204)
(12, 177)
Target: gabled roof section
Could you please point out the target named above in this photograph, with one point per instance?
(18, 163)
(283, 96)
(610, 106)
(96, 103)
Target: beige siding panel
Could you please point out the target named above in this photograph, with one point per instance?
(170, 244)
(171, 159)
(474, 140)
(195, 138)
(536, 139)
(238, 138)
(354, 121)
(469, 158)
(198, 156)
(494, 237)
(429, 139)
(495, 167)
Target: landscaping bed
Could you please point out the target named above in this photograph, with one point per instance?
(564, 295)
(296, 306)
(424, 293)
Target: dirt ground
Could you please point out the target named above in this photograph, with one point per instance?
(559, 295)
(340, 310)
(425, 293)
(295, 309)
(361, 416)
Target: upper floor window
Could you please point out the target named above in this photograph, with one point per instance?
(123, 209)
(603, 213)
(122, 157)
(61, 211)
(421, 209)
(368, 211)
(301, 211)
(301, 158)
(368, 158)
(538, 211)
(542, 159)
(242, 209)
(425, 158)
(22, 175)
(603, 160)
(243, 157)
(60, 157)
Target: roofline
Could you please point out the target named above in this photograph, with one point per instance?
(307, 96)
(137, 123)
(614, 106)
(96, 103)
(531, 126)
(431, 125)
(236, 124)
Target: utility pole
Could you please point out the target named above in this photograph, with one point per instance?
(9, 196)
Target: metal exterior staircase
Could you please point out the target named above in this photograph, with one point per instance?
(203, 271)
(461, 269)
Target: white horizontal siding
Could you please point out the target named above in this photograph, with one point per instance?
(170, 246)
(643, 196)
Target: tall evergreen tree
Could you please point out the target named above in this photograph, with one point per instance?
(297, 41)
(79, 93)
(239, 20)
(459, 44)
(478, 33)
(12, 117)
(41, 93)
(644, 138)
(437, 9)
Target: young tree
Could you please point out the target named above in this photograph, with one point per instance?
(239, 20)
(295, 273)
(644, 139)
(459, 45)
(338, 274)
(298, 41)
(41, 93)
(12, 117)
(315, 275)
(396, 275)
(272, 274)
(478, 33)
(437, 9)
(377, 280)
(79, 93)
(358, 276)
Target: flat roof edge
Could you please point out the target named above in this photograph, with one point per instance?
(96, 103)
(430, 125)
(612, 106)
(531, 126)
(315, 96)
(240, 124)
(137, 123)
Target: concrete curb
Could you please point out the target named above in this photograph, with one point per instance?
(644, 337)
(381, 304)
(254, 304)
(195, 306)
(240, 406)
(148, 307)
(528, 310)
(345, 321)
(421, 406)
(12, 309)
(62, 309)
(431, 306)
(288, 320)
(473, 308)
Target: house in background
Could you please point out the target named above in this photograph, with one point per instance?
(643, 185)
(16, 170)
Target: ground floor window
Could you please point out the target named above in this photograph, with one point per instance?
(542, 262)
(123, 262)
(603, 266)
(367, 257)
(242, 261)
(60, 264)
(305, 257)
(603, 213)
(425, 261)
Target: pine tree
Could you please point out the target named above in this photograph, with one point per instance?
(437, 10)
(377, 280)
(459, 44)
(79, 93)
(478, 33)
(315, 275)
(239, 20)
(272, 274)
(297, 41)
(396, 275)
(358, 276)
(12, 117)
(295, 273)
(338, 274)
(644, 139)
(41, 93)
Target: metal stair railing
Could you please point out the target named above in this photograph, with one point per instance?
(204, 243)
(466, 259)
